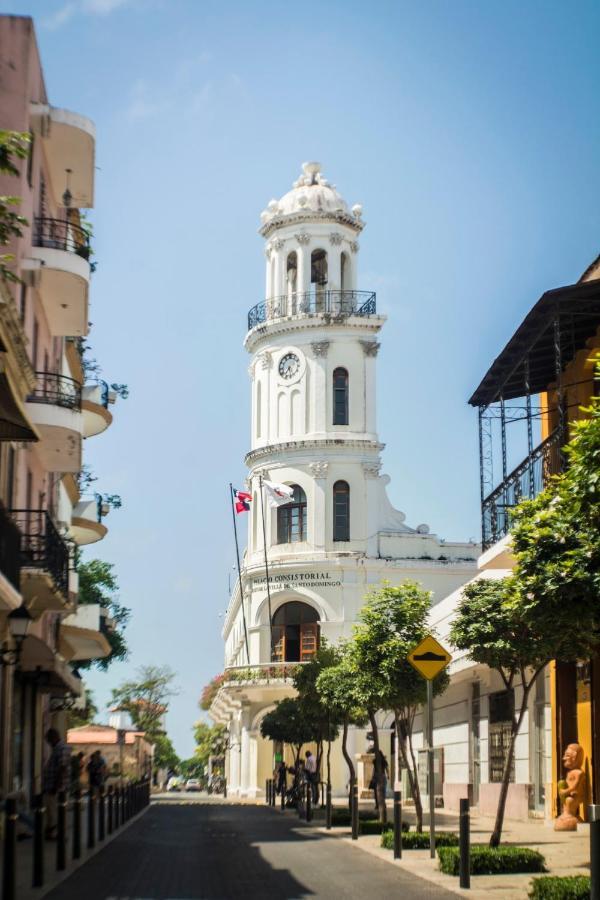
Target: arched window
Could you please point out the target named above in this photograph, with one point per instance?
(340, 396)
(341, 511)
(291, 518)
(292, 281)
(318, 267)
(295, 633)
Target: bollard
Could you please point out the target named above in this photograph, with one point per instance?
(328, 808)
(283, 790)
(109, 807)
(274, 793)
(224, 789)
(77, 824)
(309, 799)
(464, 871)
(38, 841)
(267, 793)
(10, 849)
(101, 814)
(594, 820)
(119, 806)
(91, 820)
(61, 832)
(354, 808)
(124, 804)
(397, 824)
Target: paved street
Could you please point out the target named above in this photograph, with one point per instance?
(184, 849)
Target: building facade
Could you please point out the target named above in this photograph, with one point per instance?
(313, 345)
(47, 411)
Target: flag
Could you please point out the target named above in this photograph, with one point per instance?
(278, 494)
(242, 501)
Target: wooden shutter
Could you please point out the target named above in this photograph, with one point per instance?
(309, 637)
(278, 654)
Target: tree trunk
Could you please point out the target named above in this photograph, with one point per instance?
(378, 772)
(348, 759)
(402, 731)
(328, 763)
(516, 727)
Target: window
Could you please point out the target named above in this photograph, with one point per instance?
(340, 397)
(30, 159)
(291, 518)
(34, 344)
(295, 633)
(344, 272)
(318, 267)
(341, 511)
(502, 711)
(23, 310)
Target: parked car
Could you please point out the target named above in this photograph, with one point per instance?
(193, 784)
(173, 784)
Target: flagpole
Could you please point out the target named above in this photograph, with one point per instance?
(262, 509)
(237, 554)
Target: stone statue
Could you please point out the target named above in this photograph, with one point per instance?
(572, 790)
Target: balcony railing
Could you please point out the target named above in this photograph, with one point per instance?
(42, 547)
(58, 234)
(525, 482)
(10, 548)
(337, 304)
(262, 673)
(57, 390)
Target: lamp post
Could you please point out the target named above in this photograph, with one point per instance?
(19, 621)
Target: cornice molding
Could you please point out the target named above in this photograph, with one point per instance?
(303, 216)
(320, 444)
(291, 325)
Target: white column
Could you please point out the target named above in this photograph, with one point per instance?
(304, 268)
(319, 512)
(245, 776)
(334, 266)
(370, 424)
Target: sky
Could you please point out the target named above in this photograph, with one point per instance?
(469, 132)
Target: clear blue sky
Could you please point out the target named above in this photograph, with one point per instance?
(469, 131)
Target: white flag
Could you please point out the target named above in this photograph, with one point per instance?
(278, 494)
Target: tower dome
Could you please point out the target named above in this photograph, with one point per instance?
(312, 198)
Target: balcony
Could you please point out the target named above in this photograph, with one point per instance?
(331, 305)
(86, 522)
(10, 562)
(525, 482)
(61, 251)
(94, 406)
(55, 409)
(69, 142)
(262, 683)
(44, 560)
(83, 634)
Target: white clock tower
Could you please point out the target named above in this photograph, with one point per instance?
(313, 343)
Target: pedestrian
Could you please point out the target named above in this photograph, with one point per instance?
(380, 777)
(312, 776)
(96, 769)
(55, 778)
(281, 782)
(76, 771)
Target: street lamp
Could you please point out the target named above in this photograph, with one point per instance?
(19, 621)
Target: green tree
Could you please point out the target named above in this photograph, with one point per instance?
(165, 756)
(392, 622)
(14, 145)
(78, 717)
(98, 584)
(318, 716)
(288, 724)
(211, 740)
(191, 768)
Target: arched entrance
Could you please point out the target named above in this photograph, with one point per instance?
(295, 632)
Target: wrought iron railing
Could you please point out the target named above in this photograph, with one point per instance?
(337, 304)
(59, 234)
(10, 547)
(524, 482)
(275, 671)
(57, 390)
(42, 547)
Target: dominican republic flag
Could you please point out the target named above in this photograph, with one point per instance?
(242, 501)
(277, 494)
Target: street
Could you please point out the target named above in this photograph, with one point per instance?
(188, 847)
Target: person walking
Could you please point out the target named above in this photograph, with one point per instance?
(76, 771)
(312, 776)
(383, 767)
(55, 778)
(281, 782)
(96, 769)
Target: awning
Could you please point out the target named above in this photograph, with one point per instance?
(54, 674)
(14, 425)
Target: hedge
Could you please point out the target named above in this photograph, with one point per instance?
(571, 887)
(340, 815)
(493, 860)
(419, 840)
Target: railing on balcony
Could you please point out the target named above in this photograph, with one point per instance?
(42, 547)
(337, 304)
(524, 482)
(10, 548)
(268, 672)
(58, 234)
(57, 390)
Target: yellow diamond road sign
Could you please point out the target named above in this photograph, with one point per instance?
(429, 658)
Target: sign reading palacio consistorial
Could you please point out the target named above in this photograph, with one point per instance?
(297, 579)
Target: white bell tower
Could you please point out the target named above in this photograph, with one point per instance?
(313, 342)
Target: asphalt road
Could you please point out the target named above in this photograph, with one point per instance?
(186, 848)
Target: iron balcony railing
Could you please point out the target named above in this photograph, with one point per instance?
(42, 547)
(525, 482)
(10, 548)
(59, 234)
(337, 304)
(57, 390)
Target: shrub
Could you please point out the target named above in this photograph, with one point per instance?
(373, 826)
(493, 860)
(415, 840)
(572, 887)
(340, 815)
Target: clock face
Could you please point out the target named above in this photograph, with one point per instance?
(289, 365)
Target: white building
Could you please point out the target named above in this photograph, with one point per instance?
(313, 345)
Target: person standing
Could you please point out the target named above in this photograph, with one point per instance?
(96, 769)
(312, 776)
(55, 778)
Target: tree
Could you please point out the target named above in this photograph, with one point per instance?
(165, 756)
(288, 724)
(211, 740)
(147, 698)
(191, 768)
(392, 622)
(14, 145)
(78, 717)
(98, 584)
(210, 691)
(318, 716)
